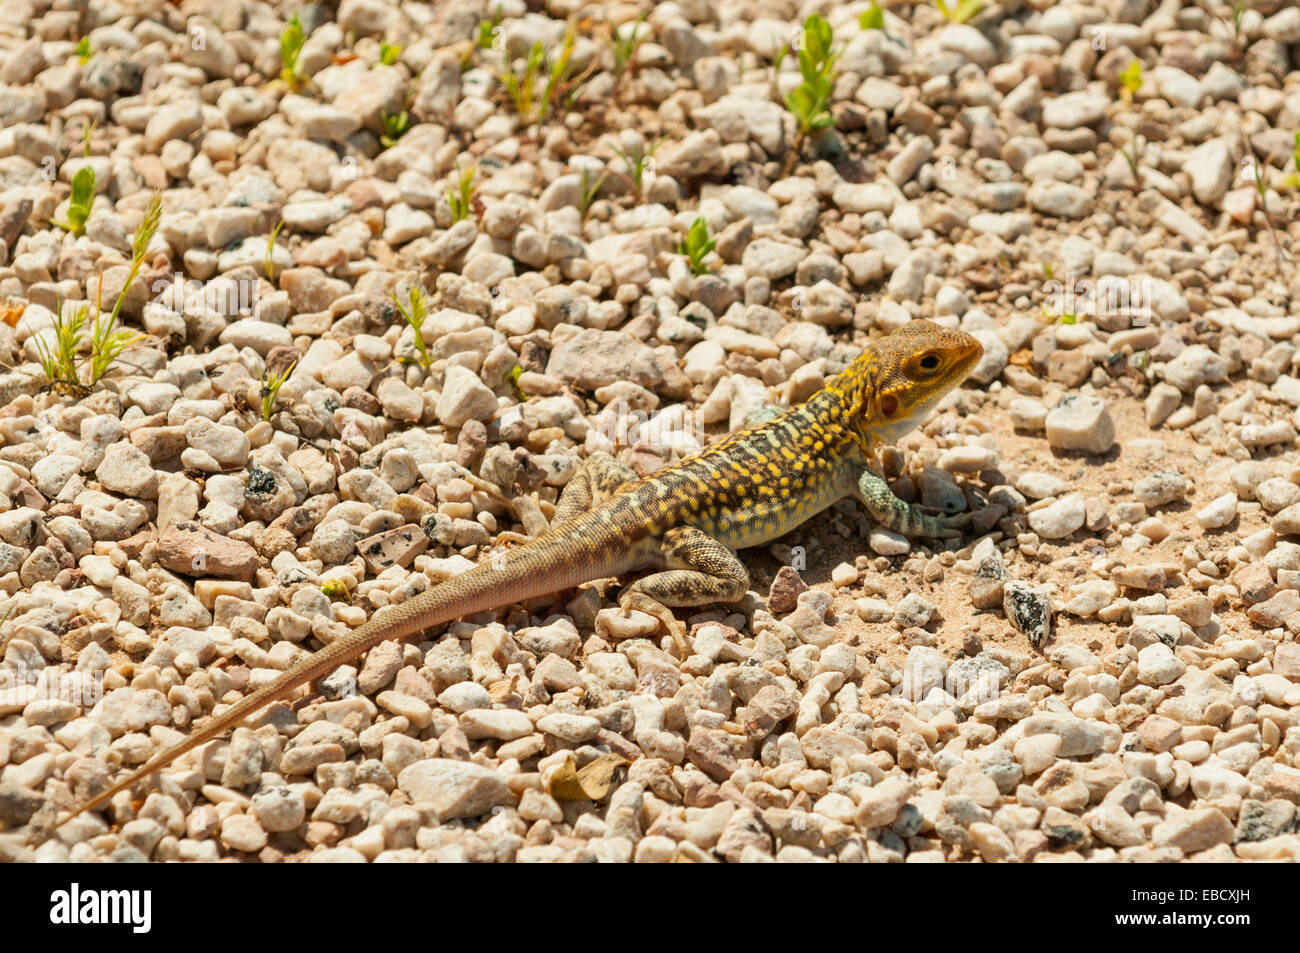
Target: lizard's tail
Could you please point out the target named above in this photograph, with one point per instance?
(535, 569)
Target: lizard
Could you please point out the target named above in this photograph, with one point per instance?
(685, 522)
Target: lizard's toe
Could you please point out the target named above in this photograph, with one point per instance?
(952, 526)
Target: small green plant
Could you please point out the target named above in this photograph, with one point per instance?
(415, 315)
(1238, 8)
(520, 86)
(83, 197)
(487, 31)
(107, 340)
(959, 11)
(1130, 155)
(291, 42)
(336, 589)
(461, 198)
(810, 100)
(532, 99)
(271, 384)
(696, 245)
(1293, 180)
(1049, 270)
(59, 362)
(395, 126)
(1261, 187)
(638, 160)
(1066, 317)
(872, 18)
(87, 131)
(588, 191)
(83, 50)
(389, 52)
(512, 377)
(1130, 81)
(624, 47)
(270, 250)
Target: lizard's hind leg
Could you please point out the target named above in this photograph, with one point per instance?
(700, 571)
(599, 478)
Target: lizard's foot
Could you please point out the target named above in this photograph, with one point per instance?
(892, 513)
(703, 571)
(631, 599)
(524, 508)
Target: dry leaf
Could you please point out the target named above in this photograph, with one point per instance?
(11, 312)
(590, 783)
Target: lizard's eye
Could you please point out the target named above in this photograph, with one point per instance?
(930, 362)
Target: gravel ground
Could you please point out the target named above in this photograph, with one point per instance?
(1106, 668)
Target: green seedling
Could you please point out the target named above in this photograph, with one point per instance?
(1130, 155)
(271, 384)
(512, 377)
(810, 100)
(336, 589)
(532, 99)
(1261, 187)
(1066, 317)
(389, 52)
(83, 50)
(1238, 8)
(588, 192)
(520, 86)
(415, 315)
(87, 131)
(637, 160)
(83, 197)
(270, 250)
(696, 245)
(291, 42)
(1293, 180)
(59, 361)
(959, 11)
(461, 198)
(872, 18)
(396, 125)
(487, 31)
(1130, 81)
(624, 48)
(107, 340)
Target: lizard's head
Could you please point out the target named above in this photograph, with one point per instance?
(901, 377)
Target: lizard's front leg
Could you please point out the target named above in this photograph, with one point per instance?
(700, 571)
(892, 513)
